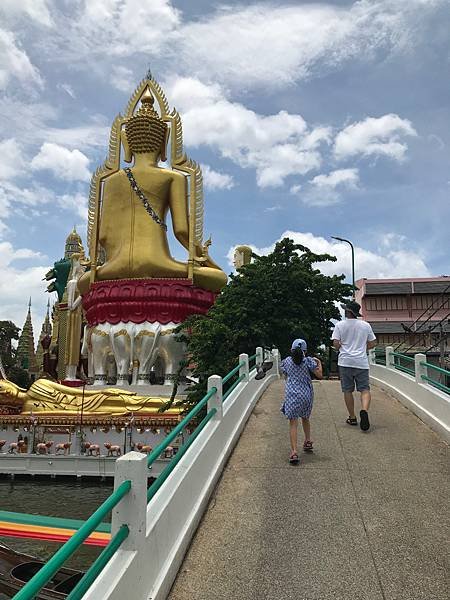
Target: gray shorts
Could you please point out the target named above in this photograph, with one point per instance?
(351, 376)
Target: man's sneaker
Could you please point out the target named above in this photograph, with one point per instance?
(364, 420)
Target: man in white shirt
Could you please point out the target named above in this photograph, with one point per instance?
(353, 338)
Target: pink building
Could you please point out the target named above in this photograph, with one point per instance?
(392, 307)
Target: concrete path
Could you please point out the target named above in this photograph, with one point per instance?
(365, 517)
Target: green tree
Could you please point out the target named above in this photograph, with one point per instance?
(270, 302)
(8, 333)
(15, 373)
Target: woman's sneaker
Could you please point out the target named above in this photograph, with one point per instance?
(364, 420)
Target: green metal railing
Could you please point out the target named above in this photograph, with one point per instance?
(403, 357)
(44, 575)
(98, 565)
(173, 463)
(399, 358)
(433, 382)
(94, 522)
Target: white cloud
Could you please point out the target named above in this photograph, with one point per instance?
(70, 165)
(374, 137)
(394, 258)
(12, 161)
(14, 62)
(37, 10)
(342, 177)
(123, 79)
(324, 190)
(214, 180)
(276, 146)
(124, 27)
(17, 284)
(65, 87)
(77, 203)
(273, 46)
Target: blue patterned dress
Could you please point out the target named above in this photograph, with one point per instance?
(299, 394)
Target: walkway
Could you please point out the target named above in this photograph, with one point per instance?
(366, 517)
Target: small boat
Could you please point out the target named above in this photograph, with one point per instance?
(16, 569)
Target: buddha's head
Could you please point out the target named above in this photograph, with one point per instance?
(242, 256)
(146, 131)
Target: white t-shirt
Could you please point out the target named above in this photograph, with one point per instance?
(353, 335)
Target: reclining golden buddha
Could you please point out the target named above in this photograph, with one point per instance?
(130, 226)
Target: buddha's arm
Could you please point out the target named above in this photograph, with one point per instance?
(178, 209)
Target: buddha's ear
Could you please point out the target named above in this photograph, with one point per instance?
(164, 146)
(127, 154)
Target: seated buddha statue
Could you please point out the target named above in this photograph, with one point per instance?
(135, 204)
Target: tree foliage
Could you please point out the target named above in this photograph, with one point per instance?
(269, 303)
(15, 373)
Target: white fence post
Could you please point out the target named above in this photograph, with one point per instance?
(244, 370)
(372, 357)
(132, 509)
(276, 360)
(259, 356)
(389, 357)
(420, 369)
(216, 400)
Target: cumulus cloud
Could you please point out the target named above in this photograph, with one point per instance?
(214, 180)
(324, 190)
(12, 160)
(14, 62)
(18, 283)
(276, 146)
(394, 259)
(70, 165)
(374, 137)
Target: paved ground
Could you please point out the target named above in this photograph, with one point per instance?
(365, 517)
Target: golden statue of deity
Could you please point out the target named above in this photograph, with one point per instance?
(48, 397)
(128, 207)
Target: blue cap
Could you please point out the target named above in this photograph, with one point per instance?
(299, 343)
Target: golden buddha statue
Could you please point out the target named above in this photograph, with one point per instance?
(48, 397)
(135, 202)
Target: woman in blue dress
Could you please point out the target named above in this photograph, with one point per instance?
(299, 394)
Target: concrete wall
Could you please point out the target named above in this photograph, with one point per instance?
(148, 562)
(430, 404)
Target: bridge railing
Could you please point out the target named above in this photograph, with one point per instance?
(129, 501)
(45, 574)
(411, 381)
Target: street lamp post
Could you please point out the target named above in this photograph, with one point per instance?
(353, 260)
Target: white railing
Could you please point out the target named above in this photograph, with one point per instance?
(430, 404)
(147, 563)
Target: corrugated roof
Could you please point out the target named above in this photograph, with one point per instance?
(377, 289)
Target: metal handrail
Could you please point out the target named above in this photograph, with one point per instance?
(154, 454)
(233, 387)
(403, 356)
(98, 565)
(43, 576)
(435, 367)
(404, 369)
(182, 450)
(436, 384)
(232, 372)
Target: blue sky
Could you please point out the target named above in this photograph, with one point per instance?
(316, 119)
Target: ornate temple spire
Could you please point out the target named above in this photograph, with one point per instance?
(73, 244)
(25, 356)
(45, 331)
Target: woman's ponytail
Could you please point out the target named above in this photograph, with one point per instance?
(297, 355)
